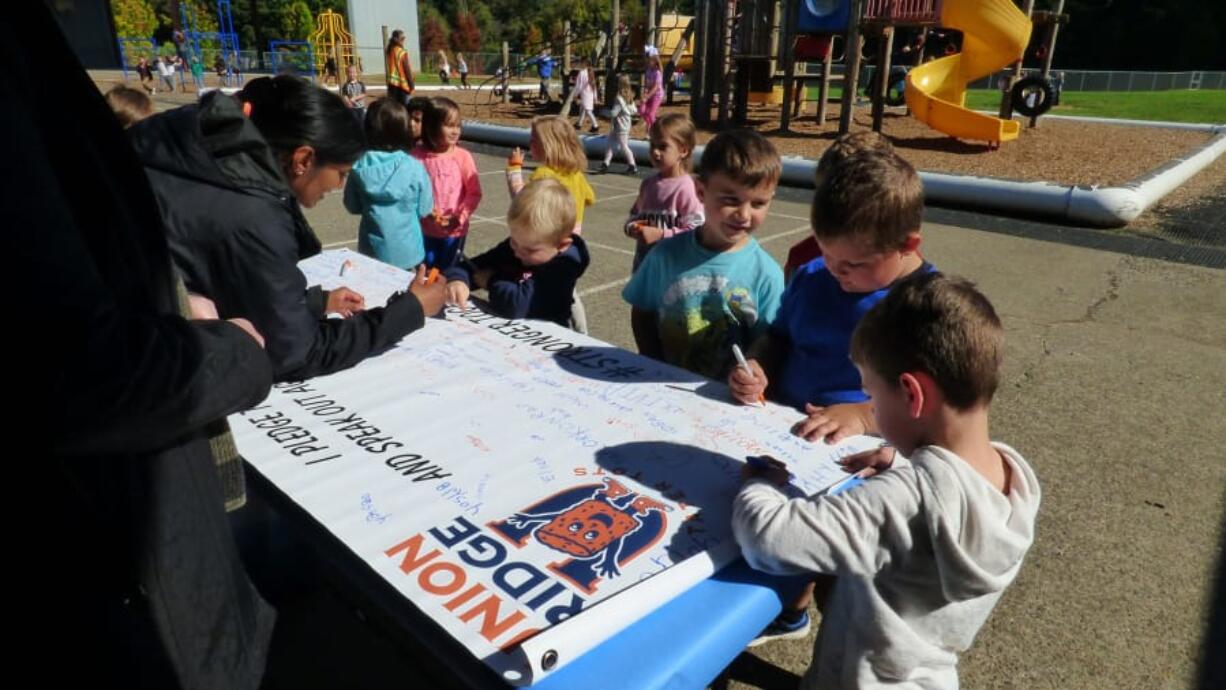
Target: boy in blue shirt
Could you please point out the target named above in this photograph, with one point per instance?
(699, 293)
(866, 216)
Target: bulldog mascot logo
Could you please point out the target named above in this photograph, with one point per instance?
(600, 526)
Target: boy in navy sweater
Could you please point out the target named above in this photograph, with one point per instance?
(532, 273)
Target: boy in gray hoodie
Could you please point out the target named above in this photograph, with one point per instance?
(924, 549)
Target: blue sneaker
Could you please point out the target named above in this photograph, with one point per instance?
(784, 629)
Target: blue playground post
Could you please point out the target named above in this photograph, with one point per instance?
(278, 55)
(225, 36)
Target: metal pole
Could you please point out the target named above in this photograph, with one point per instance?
(883, 76)
(727, 16)
(1006, 99)
(823, 94)
(650, 37)
(610, 82)
(851, 75)
(700, 104)
(506, 70)
(565, 50)
(790, 17)
(1051, 46)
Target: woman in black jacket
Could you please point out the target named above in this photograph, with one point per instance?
(122, 569)
(230, 174)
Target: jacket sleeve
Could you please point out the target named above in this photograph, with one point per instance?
(690, 213)
(425, 192)
(114, 375)
(317, 301)
(547, 293)
(855, 532)
(265, 285)
(472, 188)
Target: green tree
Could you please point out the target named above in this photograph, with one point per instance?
(467, 35)
(434, 30)
(134, 18)
(297, 24)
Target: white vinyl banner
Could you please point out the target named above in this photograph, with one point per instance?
(506, 476)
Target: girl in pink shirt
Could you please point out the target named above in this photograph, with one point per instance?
(453, 179)
(668, 203)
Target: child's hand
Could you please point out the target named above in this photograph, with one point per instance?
(765, 467)
(748, 389)
(833, 423)
(431, 295)
(345, 302)
(457, 293)
(516, 159)
(869, 462)
(650, 234)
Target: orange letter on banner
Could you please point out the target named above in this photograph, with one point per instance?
(491, 627)
(467, 594)
(458, 578)
(411, 546)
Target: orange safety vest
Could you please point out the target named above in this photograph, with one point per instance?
(396, 76)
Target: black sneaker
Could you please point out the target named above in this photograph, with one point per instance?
(604, 168)
(784, 629)
(632, 170)
(593, 130)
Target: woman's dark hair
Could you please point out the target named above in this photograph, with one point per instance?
(291, 112)
(433, 119)
(387, 126)
(393, 41)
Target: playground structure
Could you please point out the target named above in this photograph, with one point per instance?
(331, 40)
(292, 57)
(746, 52)
(225, 37)
(994, 34)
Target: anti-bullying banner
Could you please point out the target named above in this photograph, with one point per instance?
(509, 476)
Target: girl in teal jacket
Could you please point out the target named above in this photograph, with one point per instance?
(390, 189)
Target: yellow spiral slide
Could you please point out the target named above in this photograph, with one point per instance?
(994, 34)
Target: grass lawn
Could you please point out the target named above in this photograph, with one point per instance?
(1168, 106)
(1205, 105)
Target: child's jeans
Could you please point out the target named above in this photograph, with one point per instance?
(622, 141)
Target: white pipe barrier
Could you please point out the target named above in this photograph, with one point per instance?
(1097, 206)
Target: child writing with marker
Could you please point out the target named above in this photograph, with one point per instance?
(668, 203)
(843, 147)
(454, 181)
(699, 293)
(532, 273)
(866, 216)
(923, 550)
(390, 189)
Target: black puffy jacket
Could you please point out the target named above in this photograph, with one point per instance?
(236, 233)
(122, 568)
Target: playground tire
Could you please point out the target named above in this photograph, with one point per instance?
(1018, 96)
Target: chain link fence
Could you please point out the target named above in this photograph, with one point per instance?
(1081, 80)
(1116, 80)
